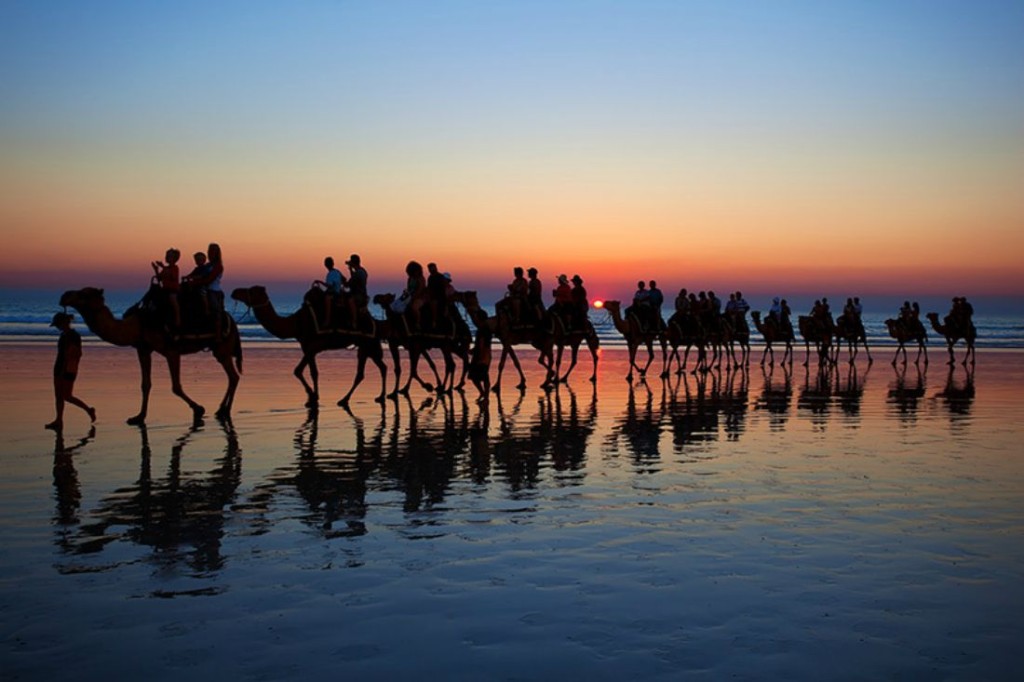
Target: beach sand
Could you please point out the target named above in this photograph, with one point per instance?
(861, 525)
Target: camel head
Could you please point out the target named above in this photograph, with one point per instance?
(468, 299)
(613, 307)
(934, 317)
(250, 296)
(756, 315)
(88, 298)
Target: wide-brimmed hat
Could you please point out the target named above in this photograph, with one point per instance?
(353, 259)
(577, 278)
(563, 278)
(60, 319)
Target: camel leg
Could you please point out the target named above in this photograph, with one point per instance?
(574, 351)
(224, 409)
(312, 392)
(664, 358)
(174, 365)
(146, 370)
(650, 359)
(360, 373)
(632, 362)
(465, 370)
(519, 368)
(396, 361)
(496, 386)
(592, 344)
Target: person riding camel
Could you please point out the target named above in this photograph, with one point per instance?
(167, 276)
(518, 290)
(580, 304)
(200, 271)
(437, 296)
(562, 307)
(331, 284)
(535, 295)
(415, 293)
(656, 299)
(211, 281)
(682, 303)
(776, 310)
(355, 285)
(641, 306)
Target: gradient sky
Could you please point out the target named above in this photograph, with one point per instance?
(862, 146)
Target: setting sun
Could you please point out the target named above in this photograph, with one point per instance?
(598, 304)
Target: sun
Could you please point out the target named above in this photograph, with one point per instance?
(598, 303)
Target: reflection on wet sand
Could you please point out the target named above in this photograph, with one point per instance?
(776, 395)
(957, 395)
(180, 517)
(906, 393)
(414, 456)
(331, 483)
(66, 486)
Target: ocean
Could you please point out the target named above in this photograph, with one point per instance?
(25, 317)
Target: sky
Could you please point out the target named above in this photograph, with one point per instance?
(864, 147)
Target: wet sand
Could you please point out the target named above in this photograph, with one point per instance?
(862, 524)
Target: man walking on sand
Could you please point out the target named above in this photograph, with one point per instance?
(65, 370)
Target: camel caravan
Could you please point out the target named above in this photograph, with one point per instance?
(183, 315)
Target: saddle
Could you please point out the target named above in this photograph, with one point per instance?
(341, 313)
(197, 319)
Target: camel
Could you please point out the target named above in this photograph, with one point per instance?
(902, 332)
(302, 326)
(773, 332)
(549, 338)
(573, 338)
(719, 335)
(852, 332)
(510, 335)
(418, 344)
(817, 333)
(953, 333)
(147, 335)
(740, 335)
(633, 333)
(683, 329)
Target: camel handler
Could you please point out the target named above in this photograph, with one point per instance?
(65, 370)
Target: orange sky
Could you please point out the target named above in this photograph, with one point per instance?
(638, 145)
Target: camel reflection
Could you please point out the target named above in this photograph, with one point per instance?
(716, 404)
(850, 391)
(640, 427)
(815, 397)
(905, 395)
(958, 395)
(776, 396)
(559, 430)
(181, 516)
(570, 432)
(421, 464)
(66, 486)
(331, 483)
